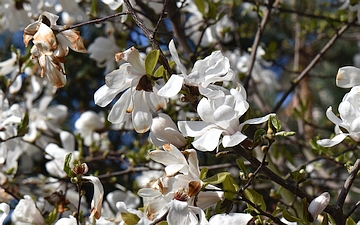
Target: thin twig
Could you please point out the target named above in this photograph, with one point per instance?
(92, 21)
(162, 16)
(305, 72)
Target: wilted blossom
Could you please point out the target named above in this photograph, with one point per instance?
(26, 211)
(163, 130)
(138, 96)
(220, 121)
(49, 48)
(319, 204)
(214, 68)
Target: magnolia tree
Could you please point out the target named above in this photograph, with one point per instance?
(179, 112)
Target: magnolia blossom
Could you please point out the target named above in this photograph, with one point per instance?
(5, 209)
(349, 119)
(348, 76)
(163, 130)
(220, 120)
(175, 193)
(67, 221)
(319, 204)
(214, 68)
(87, 125)
(139, 94)
(10, 67)
(26, 211)
(49, 48)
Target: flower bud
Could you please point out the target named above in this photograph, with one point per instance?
(319, 204)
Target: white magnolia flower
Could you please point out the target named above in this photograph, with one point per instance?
(87, 125)
(139, 94)
(10, 67)
(26, 211)
(319, 204)
(230, 219)
(349, 119)
(214, 68)
(67, 221)
(163, 130)
(220, 120)
(96, 202)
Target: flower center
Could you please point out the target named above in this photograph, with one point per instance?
(144, 84)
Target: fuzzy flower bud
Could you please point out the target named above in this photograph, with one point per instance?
(319, 204)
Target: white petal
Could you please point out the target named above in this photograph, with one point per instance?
(257, 120)
(172, 86)
(178, 213)
(319, 204)
(224, 116)
(208, 141)
(230, 219)
(67, 140)
(232, 140)
(118, 112)
(96, 203)
(333, 118)
(332, 142)
(206, 111)
(175, 57)
(348, 76)
(148, 192)
(5, 208)
(141, 116)
(104, 95)
(133, 56)
(194, 128)
(117, 79)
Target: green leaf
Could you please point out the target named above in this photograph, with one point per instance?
(200, 4)
(203, 173)
(290, 217)
(151, 61)
(241, 165)
(285, 133)
(23, 126)
(255, 198)
(129, 218)
(275, 122)
(160, 72)
(230, 187)
(216, 179)
(349, 221)
(258, 136)
(67, 167)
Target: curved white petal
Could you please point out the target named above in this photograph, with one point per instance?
(178, 213)
(117, 79)
(172, 86)
(348, 76)
(208, 141)
(232, 140)
(96, 203)
(194, 128)
(333, 118)
(332, 142)
(257, 120)
(175, 57)
(104, 95)
(224, 116)
(319, 204)
(206, 111)
(67, 140)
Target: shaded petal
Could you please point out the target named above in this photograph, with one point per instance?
(178, 213)
(319, 204)
(348, 76)
(117, 79)
(208, 141)
(332, 142)
(67, 140)
(256, 120)
(232, 140)
(172, 86)
(132, 56)
(224, 116)
(118, 112)
(333, 118)
(96, 203)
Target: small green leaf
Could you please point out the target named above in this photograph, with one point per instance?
(241, 165)
(129, 218)
(200, 4)
(160, 72)
(230, 187)
(258, 136)
(216, 179)
(67, 167)
(151, 61)
(256, 198)
(286, 214)
(285, 133)
(349, 220)
(23, 126)
(203, 173)
(275, 122)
